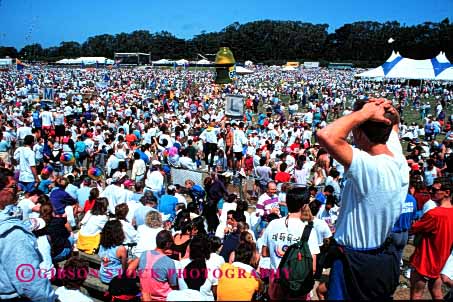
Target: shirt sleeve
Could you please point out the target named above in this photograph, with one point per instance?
(428, 224)
(171, 269)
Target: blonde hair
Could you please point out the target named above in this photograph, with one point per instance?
(153, 219)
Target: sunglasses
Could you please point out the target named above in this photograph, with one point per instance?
(434, 190)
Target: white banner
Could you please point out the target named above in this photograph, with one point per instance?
(234, 106)
(179, 176)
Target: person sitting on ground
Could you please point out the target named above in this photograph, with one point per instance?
(130, 234)
(182, 239)
(59, 198)
(148, 203)
(146, 233)
(158, 276)
(112, 252)
(91, 226)
(89, 203)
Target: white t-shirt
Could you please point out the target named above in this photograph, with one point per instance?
(239, 140)
(146, 239)
(215, 260)
(227, 206)
(277, 237)
(186, 295)
(130, 233)
(373, 198)
(154, 181)
(92, 224)
(308, 117)
(47, 118)
(26, 158)
(71, 295)
(181, 199)
(322, 230)
(116, 195)
(26, 206)
(206, 288)
(46, 266)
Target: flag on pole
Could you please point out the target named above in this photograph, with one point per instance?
(20, 65)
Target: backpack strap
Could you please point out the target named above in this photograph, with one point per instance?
(307, 231)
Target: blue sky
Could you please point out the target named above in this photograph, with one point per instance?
(49, 22)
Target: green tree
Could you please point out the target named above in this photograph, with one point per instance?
(6, 51)
(32, 52)
(69, 49)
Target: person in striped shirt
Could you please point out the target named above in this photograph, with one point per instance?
(268, 202)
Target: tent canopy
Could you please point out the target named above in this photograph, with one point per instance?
(399, 67)
(86, 60)
(289, 68)
(242, 70)
(203, 62)
(182, 62)
(163, 61)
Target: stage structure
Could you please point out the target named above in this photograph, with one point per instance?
(132, 58)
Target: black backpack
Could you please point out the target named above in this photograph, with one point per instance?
(296, 267)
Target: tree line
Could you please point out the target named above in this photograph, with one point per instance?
(364, 43)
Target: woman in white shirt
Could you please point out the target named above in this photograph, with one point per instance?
(146, 233)
(130, 234)
(91, 226)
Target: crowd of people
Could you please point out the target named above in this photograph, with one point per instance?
(89, 172)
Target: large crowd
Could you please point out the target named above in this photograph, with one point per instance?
(88, 172)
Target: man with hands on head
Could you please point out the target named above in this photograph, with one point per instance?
(372, 200)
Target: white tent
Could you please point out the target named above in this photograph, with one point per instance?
(242, 70)
(94, 60)
(398, 67)
(182, 62)
(163, 61)
(446, 75)
(86, 60)
(289, 68)
(203, 62)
